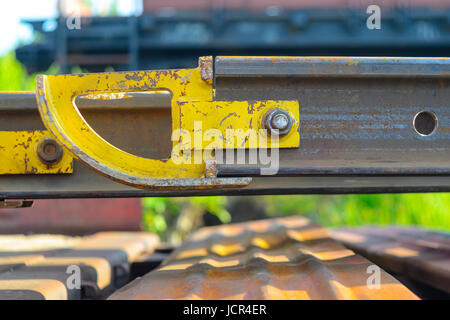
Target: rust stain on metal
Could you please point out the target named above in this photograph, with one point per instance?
(422, 255)
(210, 168)
(206, 68)
(288, 258)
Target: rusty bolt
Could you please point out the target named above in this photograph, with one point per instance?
(49, 151)
(277, 119)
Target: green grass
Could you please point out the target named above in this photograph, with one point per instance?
(429, 210)
(174, 218)
(165, 216)
(13, 76)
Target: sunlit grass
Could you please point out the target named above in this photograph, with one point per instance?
(14, 77)
(430, 210)
(427, 210)
(174, 218)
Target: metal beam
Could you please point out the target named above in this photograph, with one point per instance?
(359, 128)
(358, 116)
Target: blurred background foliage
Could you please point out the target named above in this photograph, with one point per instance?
(13, 76)
(174, 218)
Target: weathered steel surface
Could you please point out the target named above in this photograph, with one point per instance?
(287, 258)
(18, 154)
(44, 266)
(421, 255)
(337, 67)
(356, 114)
(73, 216)
(357, 132)
(85, 183)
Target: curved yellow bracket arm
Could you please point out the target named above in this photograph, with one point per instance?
(56, 101)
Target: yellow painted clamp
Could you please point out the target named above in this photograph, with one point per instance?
(192, 100)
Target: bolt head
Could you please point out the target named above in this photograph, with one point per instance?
(280, 121)
(277, 121)
(49, 151)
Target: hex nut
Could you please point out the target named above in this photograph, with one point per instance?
(49, 151)
(277, 119)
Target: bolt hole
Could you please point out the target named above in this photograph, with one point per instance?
(425, 123)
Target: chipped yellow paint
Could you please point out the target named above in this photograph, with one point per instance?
(192, 99)
(239, 116)
(19, 156)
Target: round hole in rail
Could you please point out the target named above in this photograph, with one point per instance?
(425, 123)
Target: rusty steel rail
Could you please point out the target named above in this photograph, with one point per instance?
(359, 116)
(417, 254)
(286, 258)
(367, 125)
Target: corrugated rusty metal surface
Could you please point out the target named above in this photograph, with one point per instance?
(73, 216)
(287, 258)
(41, 266)
(421, 255)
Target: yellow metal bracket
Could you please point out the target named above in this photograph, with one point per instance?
(19, 154)
(192, 103)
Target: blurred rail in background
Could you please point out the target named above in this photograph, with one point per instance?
(172, 34)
